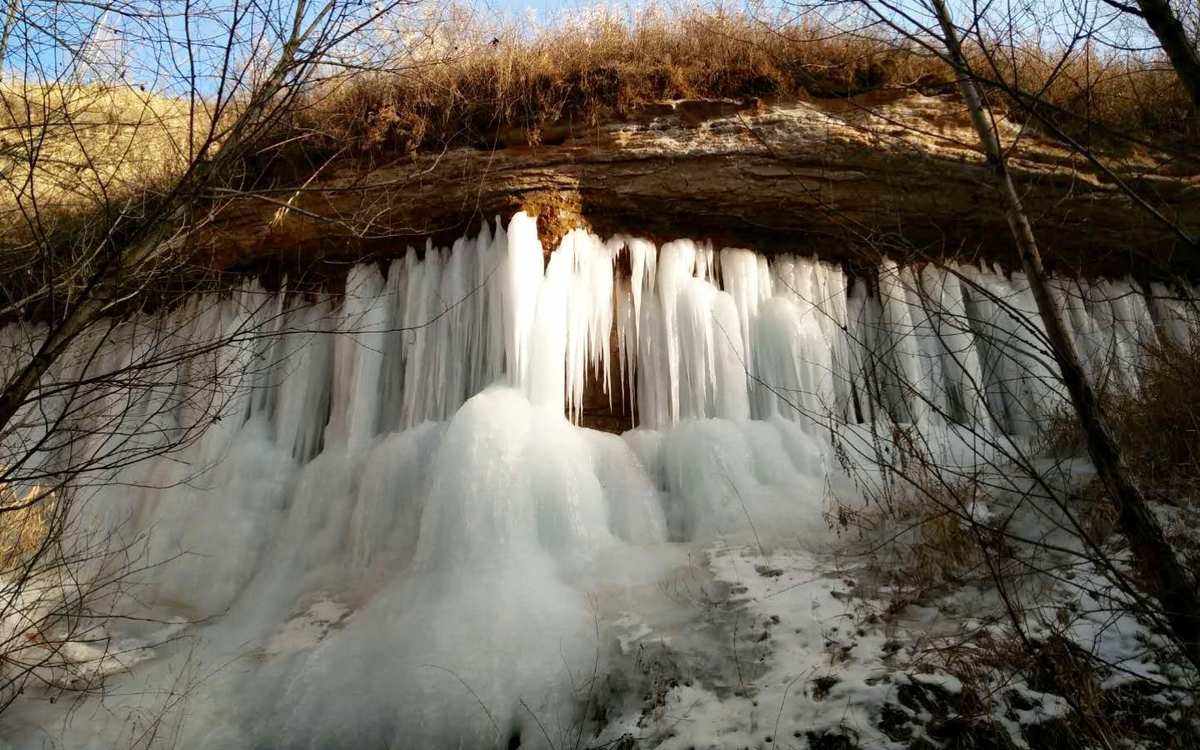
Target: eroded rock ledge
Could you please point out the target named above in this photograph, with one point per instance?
(891, 173)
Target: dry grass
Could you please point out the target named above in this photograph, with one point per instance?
(504, 86)
(1157, 425)
(990, 666)
(1158, 428)
(22, 531)
(1119, 93)
(84, 144)
(602, 68)
(917, 535)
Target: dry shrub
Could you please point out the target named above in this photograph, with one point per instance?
(943, 551)
(989, 665)
(1156, 424)
(919, 533)
(24, 530)
(67, 145)
(1117, 91)
(74, 155)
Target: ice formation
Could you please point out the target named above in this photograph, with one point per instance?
(394, 526)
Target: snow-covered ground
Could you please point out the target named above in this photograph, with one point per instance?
(797, 656)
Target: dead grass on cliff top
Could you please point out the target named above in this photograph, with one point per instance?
(484, 86)
(583, 74)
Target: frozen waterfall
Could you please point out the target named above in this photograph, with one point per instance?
(390, 533)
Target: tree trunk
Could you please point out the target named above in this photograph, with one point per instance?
(1153, 556)
(1174, 40)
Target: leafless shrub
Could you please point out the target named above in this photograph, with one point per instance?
(915, 538)
(1157, 423)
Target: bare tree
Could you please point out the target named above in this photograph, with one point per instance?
(1175, 590)
(140, 246)
(98, 233)
(929, 25)
(953, 393)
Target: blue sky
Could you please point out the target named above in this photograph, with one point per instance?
(156, 64)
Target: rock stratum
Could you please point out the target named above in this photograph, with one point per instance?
(890, 173)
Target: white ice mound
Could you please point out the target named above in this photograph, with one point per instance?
(477, 638)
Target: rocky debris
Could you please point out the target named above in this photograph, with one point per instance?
(766, 571)
(822, 685)
(794, 661)
(829, 739)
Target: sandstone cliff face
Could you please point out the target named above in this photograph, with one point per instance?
(891, 173)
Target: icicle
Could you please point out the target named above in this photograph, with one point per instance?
(303, 397)
(948, 319)
(739, 272)
(697, 375)
(1033, 391)
(358, 359)
(524, 272)
(676, 263)
(859, 345)
(1136, 326)
(392, 374)
(678, 335)
(421, 398)
(902, 343)
(549, 360)
(654, 377)
(793, 363)
(830, 288)
(931, 380)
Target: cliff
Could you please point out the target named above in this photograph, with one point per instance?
(888, 172)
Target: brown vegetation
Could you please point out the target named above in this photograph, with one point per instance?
(1158, 428)
(581, 75)
(518, 86)
(69, 149)
(914, 536)
(1157, 423)
(22, 531)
